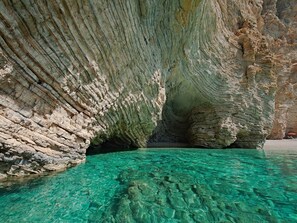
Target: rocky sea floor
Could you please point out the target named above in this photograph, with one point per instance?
(167, 185)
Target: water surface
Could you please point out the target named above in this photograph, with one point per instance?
(180, 185)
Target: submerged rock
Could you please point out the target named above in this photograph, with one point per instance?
(183, 198)
(199, 72)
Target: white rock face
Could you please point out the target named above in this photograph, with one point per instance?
(131, 73)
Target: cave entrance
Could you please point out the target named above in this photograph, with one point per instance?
(110, 145)
(170, 133)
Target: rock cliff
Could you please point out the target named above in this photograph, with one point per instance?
(131, 73)
(281, 28)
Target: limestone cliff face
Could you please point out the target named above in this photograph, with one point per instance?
(200, 72)
(281, 29)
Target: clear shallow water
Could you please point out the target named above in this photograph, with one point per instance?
(162, 186)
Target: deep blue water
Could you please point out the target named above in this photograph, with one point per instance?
(180, 185)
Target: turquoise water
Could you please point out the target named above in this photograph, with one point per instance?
(184, 185)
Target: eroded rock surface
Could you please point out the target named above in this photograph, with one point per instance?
(281, 29)
(200, 72)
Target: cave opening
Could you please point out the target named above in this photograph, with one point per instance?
(170, 132)
(114, 144)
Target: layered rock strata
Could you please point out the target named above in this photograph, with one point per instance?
(199, 72)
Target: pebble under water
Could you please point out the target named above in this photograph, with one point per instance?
(167, 185)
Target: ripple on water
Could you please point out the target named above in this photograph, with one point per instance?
(185, 185)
